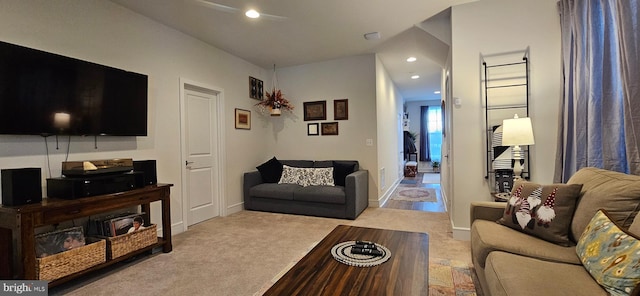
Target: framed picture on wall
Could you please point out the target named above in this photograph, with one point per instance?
(329, 128)
(243, 119)
(341, 109)
(255, 88)
(312, 129)
(315, 110)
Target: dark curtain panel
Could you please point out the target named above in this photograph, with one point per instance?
(424, 134)
(600, 108)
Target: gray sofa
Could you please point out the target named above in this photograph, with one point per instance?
(510, 262)
(345, 202)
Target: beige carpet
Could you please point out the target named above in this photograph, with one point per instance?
(238, 254)
(414, 194)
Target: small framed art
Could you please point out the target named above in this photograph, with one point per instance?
(315, 110)
(255, 88)
(243, 119)
(341, 109)
(312, 129)
(329, 128)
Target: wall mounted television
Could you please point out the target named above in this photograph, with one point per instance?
(45, 94)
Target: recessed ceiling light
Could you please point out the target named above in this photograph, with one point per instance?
(411, 59)
(415, 76)
(437, 92)
(252, 13)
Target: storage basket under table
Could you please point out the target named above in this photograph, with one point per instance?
(59, 265)
(121, 245)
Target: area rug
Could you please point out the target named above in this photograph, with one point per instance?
(446, 278)
(415, 194)
(450, 277)
(406, 181)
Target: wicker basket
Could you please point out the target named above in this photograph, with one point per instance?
(124, 244)
(59, 265)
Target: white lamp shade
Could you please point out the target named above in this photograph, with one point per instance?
(517, 131)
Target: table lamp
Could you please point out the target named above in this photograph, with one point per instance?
(517, 132)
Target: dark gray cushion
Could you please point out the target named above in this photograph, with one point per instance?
(274, 190)
(324, 194)
(323, 164)
(298, 163)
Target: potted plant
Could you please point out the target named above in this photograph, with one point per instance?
(436, 166)
(274, 102)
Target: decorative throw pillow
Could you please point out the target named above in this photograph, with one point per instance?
(341, 170)
(544, 211)
(293, 175)
(322, 176)
(610, 254)
(270, 170)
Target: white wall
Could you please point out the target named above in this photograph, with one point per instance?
(105, 33)
(389, 112)
(490, 27)
(351, 78)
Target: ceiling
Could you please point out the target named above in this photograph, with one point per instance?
(296, 32)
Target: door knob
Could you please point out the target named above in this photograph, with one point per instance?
(186, 162)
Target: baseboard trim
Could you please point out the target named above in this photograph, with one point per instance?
(175, 229)
(461, 233)
(232, 209)
(385, 197)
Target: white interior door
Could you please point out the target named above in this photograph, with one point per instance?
(201, 136)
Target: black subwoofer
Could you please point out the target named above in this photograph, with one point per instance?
(148, 167)
(21, 186)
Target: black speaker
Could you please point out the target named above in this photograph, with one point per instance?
(148, 167)
(139, 178)
(21, 186)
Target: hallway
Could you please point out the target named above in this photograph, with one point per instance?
(421, 180)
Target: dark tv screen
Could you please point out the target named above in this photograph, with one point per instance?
(48, 94)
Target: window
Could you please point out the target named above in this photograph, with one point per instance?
(434, 128)
(431, 133)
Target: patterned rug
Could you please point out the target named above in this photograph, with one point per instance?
(450, 277)
(415, 194)
(406, 181)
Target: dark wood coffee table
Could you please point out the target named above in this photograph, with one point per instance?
(318, 273)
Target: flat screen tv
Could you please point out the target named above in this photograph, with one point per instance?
(48, 94)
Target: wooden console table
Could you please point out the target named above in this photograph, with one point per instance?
(18, 224)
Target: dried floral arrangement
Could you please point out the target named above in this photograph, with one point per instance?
(273, 102)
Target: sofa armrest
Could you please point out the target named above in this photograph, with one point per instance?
(357, 193)
(487, 210)
(250, 179)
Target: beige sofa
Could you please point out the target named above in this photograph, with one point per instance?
(510, 262)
